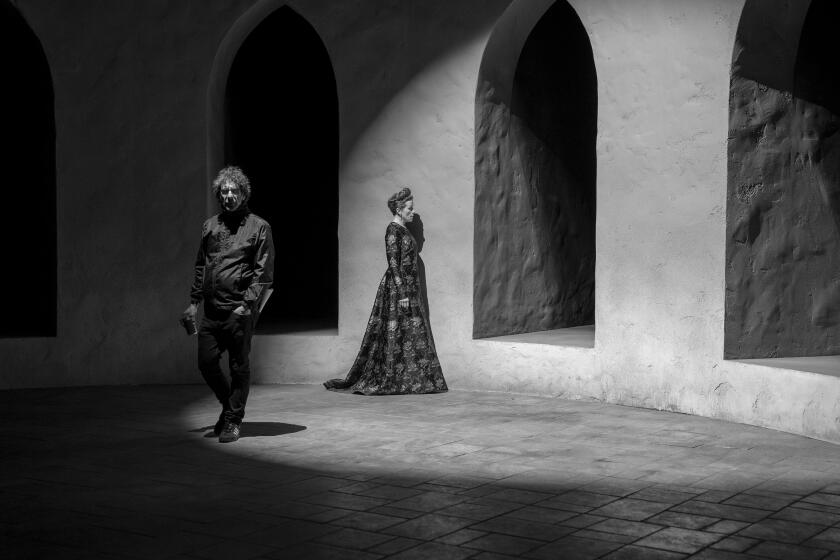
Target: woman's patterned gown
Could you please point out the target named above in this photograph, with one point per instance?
(397, 354)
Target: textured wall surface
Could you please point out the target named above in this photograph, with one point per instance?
(783, 216)
(535, 181)
(137, 93)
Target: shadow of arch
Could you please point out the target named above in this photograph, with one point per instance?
(29, 168)
(783, 195)
(536, 123)
(280, 126)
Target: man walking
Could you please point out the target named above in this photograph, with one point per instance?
(233, 270)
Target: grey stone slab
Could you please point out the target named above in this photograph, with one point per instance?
(726, 526)
(353, 538)
(679, 540)
(395, 545)
(428, 527)
(783, 551)
(684, 520)
(600, 536)
(438, 551)
(735, 544)
(583, 521)
(629, 508)
(574, 548)
(429, 501)
(807, 516)
(504, 544)
(541, 514)
(367, 521)
(523, 528)
(663, 495)
(736, 513)
(635, 529)
(780, 530)
(460, 537)
(633, 552)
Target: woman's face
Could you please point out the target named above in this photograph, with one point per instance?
(407, 211)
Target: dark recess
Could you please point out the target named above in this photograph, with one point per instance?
(281, 123)
(28, 280)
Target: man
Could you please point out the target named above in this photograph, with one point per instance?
(233, 271)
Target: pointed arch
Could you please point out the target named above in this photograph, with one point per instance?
(536, 120)
(783, 187)
(274, 108)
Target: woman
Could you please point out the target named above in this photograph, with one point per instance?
(398, 354)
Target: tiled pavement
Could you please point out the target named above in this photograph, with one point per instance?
(128, 472)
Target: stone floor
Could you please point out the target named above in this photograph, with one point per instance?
(129, 472)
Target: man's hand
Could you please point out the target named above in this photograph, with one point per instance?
(242, 310)
(404, 303)
(189, 312)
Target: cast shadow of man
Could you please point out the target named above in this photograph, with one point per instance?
(259, 429)
(415, 227)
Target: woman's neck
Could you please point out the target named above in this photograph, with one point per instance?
(399, 221)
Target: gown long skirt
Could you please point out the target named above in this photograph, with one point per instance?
(397, 355)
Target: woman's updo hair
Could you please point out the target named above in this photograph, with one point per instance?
(398, 200)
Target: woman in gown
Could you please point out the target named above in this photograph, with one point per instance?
(398, 355)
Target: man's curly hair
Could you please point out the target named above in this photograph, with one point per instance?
(237, 177)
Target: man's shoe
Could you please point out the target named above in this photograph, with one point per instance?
(220, 424)
(230, 433)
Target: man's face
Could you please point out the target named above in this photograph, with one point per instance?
(231, 196)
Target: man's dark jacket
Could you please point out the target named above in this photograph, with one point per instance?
(235, 261)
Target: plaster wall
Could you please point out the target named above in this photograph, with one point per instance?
(131, 88)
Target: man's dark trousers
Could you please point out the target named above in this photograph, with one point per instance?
(222, 331)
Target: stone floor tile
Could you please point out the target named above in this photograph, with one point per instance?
(541, 514)
(504, 544)
(353, 538)
(573, 548)
(519, 496)
(314, 551)
(396, 512)
(232, 549)
(484, 555)
(428, 527)
(735, 544)
(632, 552)
(523, 528)
(582, 521)
(460, 537)
(760, 502)
(683, 520)
(679, 540)
(736, 513)
(391, 493)
(828, 540)
(615, 486)
(823, 498)
(715, 496)
(663, 494)
(429, 501)
(628, 508)
(290, 533)
(338, 500)
(581, 498)
(367, 521)
(813, 517)
(600, 536)
(635, 529)
(782, 551)
(716, 554)
(726, 527)
(480, 510)
(397, 544)
(780, 530)
(438, 551)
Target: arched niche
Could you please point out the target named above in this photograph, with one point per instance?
(536, 122)
(28, 280)
(783, 188)
(275, 114)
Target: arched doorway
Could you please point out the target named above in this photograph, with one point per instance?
(281, 128)
(29, 280)
(783, 193)
(536, 121)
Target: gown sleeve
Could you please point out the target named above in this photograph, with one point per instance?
(393, 250)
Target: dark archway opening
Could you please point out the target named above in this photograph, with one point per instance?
(28, 281)
(281, 128)
(536, 185)
(783, 203)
